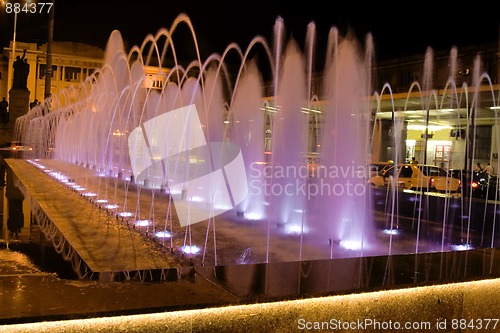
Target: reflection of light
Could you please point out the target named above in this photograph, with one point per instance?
(79, 188)
(142, 223)
(111, 206)
(118, 133)
(125, 214)
(101, 200)
(163, 234)
(190, 249)
(413, 198)
(462, 247)
(350, 245)
(391, 231)
(89, 194)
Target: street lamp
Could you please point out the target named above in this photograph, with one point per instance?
(13, 51)
(48, 64)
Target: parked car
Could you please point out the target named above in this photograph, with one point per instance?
(375, 168)
(474, 183)
(477, 184)
(417, 177)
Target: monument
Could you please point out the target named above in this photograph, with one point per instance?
(19, 97)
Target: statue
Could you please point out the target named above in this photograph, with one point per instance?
(21, 72)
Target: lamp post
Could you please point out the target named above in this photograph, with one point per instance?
(48, 65)
(13, 53)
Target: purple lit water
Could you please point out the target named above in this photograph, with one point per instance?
(278, 125)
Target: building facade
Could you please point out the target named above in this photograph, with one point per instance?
(71, 64)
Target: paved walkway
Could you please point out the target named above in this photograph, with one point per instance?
(104, 244)
(29, 295)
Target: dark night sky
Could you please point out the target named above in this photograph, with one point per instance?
(396, 31)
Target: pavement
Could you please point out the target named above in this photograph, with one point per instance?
(27, 294)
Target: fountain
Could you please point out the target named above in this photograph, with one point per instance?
(212, 164)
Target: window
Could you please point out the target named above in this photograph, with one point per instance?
(406, 171)
(389, 172)
(72, 73)
(483, 143)
(42, 70)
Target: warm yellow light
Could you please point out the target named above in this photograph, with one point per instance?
(430, 127)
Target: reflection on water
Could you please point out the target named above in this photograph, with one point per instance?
(322, 277)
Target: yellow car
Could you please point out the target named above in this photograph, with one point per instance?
(417, 177)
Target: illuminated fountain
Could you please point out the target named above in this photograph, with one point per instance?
(208, 162)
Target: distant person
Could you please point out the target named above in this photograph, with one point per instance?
(488, 169)
(4, 111)
(34, 103)
(414, 161)
(478, 167)
(15, 221)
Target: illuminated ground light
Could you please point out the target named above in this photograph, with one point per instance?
(295, 229)
(79, 188)
(350, 244)
(462, 247)
(391, 231)
(101, 201)
(163, 234)
(222, 207)
(253, 216)
(59, 176)
(111, 206)
(193, 249)
(175, 192)
(126, 214)
(142, 223)
(196, 198)
(90, 194)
